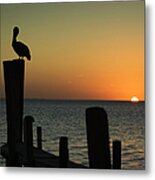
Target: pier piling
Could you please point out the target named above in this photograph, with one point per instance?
(98, 138)
(63, 152)
(39, 138)
(28, 141)
(116, 154)
(14, 90)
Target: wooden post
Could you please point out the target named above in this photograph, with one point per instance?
(28, 141)
(116, 154)
(63, 152)
(98, 138)
(14, 90)
(39, 138)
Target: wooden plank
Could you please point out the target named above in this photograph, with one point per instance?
(98, 138)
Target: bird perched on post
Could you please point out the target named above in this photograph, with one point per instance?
(20, 48)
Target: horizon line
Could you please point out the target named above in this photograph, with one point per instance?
(50, 99)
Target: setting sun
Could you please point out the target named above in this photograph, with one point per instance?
(134, 99)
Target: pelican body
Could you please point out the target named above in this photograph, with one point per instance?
(20, 48)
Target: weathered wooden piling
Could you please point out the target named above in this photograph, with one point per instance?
(14, 90)
(63, 152)
(39, 138)
(116, 154)
(28, 141)
(98, 138)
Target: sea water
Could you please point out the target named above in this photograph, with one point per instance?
(67, 118)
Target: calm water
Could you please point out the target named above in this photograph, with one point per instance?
(67, 118)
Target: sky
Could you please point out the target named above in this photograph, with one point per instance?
(79, 50)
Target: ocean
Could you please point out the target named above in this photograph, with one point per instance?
(67, 118)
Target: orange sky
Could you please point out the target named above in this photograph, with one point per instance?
(79, 50)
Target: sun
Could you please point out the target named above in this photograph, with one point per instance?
(134, 99)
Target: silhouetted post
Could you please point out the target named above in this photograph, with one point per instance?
(39, 138)
(63, 152)
(14, 90)
(98, 138)
(116, 154)
(28, 141)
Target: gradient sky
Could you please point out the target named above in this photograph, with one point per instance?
(82, 50)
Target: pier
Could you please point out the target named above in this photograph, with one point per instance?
(19, 150)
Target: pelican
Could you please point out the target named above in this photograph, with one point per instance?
(20, 48)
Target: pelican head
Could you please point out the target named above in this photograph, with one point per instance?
(16, 31)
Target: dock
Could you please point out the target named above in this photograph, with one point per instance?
(41, 158)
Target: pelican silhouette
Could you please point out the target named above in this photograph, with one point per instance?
(20, 48)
